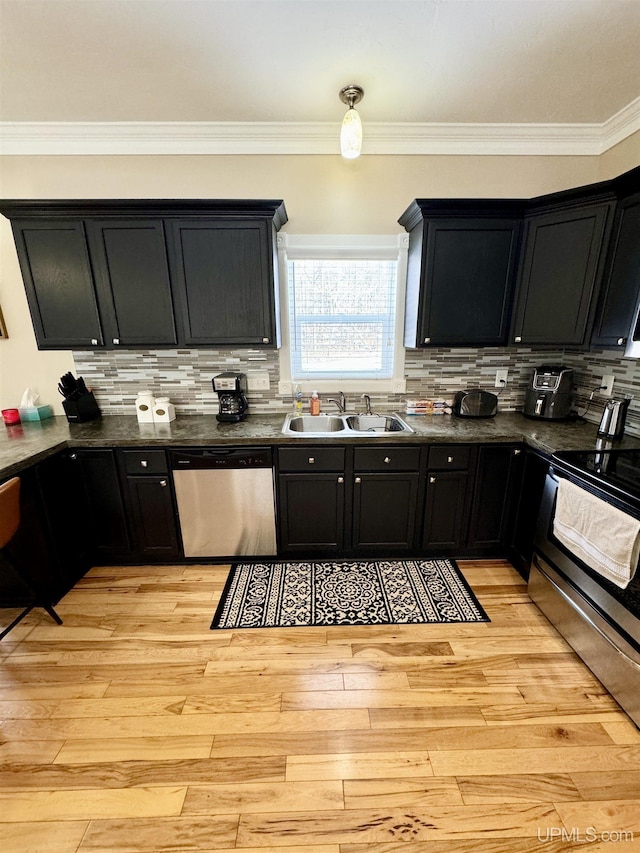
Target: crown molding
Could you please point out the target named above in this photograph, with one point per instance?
(135, 138)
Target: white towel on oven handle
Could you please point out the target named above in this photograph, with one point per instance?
(599, 534)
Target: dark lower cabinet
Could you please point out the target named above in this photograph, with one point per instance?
(497, 480)
(445, 512)
(311, 512)
(105, 506)
(152, 517)
(384, 511)
(526, 508)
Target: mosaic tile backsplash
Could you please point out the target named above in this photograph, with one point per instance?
(184, 375)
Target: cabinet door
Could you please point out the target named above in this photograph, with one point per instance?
(153, 517)
(384, 511)
(468, 278)
(445, 512)
(622, 279)
(558, 279)
(223, 273)
(58, 281)
(107, 519)
(132, 280)
(527, 506)
(494, 496)
(311, 512)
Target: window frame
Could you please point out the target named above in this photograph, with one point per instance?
(348, 247)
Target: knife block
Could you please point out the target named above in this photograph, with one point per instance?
(85, 408)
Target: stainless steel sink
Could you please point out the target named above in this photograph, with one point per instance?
(363, 426)
(314, 424)
(377, 423)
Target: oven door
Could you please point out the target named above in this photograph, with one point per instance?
(598, 620)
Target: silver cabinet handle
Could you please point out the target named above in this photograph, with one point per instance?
(312, 460)
(517, 452)
(621, 342)
(266, 340)
(116, 340)
(387, 460)
(73, 456)
(94, 342)
(518, 339)
(449, 459)
(144, 463)
(432, 479)
(163, 483)
(358, 479)
(427, 340)
(341, 479)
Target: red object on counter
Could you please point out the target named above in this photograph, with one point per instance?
(11, 416)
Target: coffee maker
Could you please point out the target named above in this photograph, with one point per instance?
(549, 395)
(231, 389)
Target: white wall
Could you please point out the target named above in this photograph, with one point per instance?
(323, 194)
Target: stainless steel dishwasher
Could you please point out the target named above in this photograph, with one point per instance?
(225, 501)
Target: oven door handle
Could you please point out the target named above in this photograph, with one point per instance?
(584, 615)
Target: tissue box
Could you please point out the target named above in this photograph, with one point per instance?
(35, 413)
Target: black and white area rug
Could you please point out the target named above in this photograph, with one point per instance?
(364, 592)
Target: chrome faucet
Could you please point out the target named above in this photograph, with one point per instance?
(367, 404)
(341, 403)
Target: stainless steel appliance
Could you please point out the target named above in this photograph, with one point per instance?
(225, 501)
(231, 389)
(599, 619)
(475, 404)
(613, 418)
(549, 396)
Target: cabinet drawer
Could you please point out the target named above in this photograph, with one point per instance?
(449, 457)
(387, 458)
(311, 458)
(145, 461)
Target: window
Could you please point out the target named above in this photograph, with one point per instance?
(343, 304)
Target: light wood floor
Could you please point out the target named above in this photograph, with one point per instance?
(133, 727)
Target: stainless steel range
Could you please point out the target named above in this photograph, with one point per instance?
(599, 617)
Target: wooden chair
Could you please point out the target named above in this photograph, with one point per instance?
(9, 524)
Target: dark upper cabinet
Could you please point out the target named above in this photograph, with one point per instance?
(560, 271)
(149, 273)
(58, 280)
(622, 278)
(460, 272)
(223, 273)
(132, 281)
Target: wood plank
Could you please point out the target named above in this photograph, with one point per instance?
(19, 806)
(90, 750)
(480, 762)
(415, 792)
(370, 826)
(36, 837)
(518, 788)
(255, 797)
(617, 820)
(357, 765)
(161, 835)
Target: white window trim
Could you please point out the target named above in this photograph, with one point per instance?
(359, 246)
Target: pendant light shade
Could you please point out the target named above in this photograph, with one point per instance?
(351, 132)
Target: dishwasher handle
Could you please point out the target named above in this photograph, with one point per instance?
(221, 457)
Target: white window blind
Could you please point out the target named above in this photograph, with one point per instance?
(342, 318)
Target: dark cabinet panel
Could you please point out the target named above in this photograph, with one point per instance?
(108, 524)
(526, 508)
(152, 517)
(59, 283)
(132, 281)
(384, 511)
(311, 512)
(460, 281)
(445, 512)
(497, 476)
(622, 278)
(559, 274)
(223, 272)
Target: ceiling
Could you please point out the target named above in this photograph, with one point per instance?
(454, 62)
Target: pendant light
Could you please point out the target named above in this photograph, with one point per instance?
(351, 132)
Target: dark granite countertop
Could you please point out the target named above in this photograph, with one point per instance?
(27, 443)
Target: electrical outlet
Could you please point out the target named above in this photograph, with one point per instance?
(285, 389)
(607, 381)
(501, 377)
(258, 381)
(399, 386)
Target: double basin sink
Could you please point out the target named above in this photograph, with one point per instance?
(365, 426)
